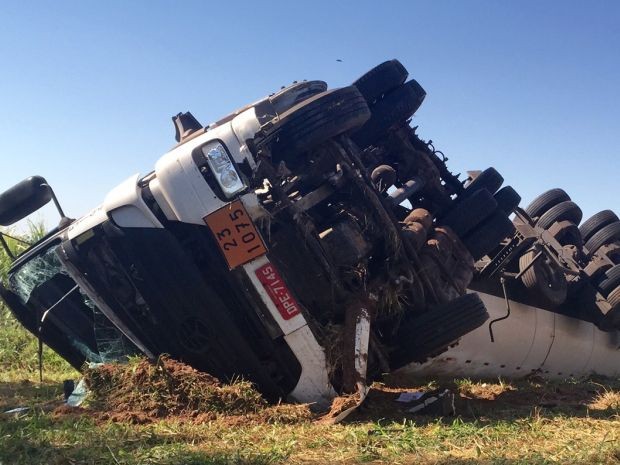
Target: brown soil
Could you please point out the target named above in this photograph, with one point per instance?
(145, 392)
(65, 411)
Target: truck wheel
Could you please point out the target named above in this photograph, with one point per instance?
(489, 179)
(606, 235)
(566, 233)
(610, 281)
(470, 212)
(596, 268)
(427, 334)
(270, 107)
(488, 235)
(612, 318)
(611, 251)
(563, 211)
(614, 298)
(395, 107)
(381, 79)
(545, 201)
(296, 93)
(596, 222)
(544, 278)
(507, 199)
(316, 120)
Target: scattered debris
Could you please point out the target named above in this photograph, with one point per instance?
(407, 397)
(77, 395)
(17, 410)
(440, 402)
(342, 407)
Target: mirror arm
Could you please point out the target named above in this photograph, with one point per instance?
(63, 217)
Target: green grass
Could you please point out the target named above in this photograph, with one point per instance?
(39, 438)
(18, 353)
(18, 348)
(497, 422)
(490, 427)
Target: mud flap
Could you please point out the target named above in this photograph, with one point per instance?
(336, 415)
(355, 365)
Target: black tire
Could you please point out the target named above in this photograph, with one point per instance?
(545, 201)
(604, 236)
(544, 279)
(296, 93)
(611, 251)
(614, 297)
(489, 179)
(612, 318)
(610, 281)
(395, 107)
(270, 107)
(595, 270)
(488, 235)
(427, 334)
(470, 212)
(381, 79)
(507, 199)
(316, 120)
(596, 222)
(563, 211)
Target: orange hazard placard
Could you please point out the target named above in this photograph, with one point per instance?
(235, 234)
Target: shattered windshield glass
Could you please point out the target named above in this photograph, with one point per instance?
(44, 286)
(35, 272)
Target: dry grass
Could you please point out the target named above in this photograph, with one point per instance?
(167, 388)
(483, 390)
(607, 400)
(518, 422)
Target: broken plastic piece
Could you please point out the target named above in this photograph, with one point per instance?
(17, 410)
(445, 406)
(410, 396)
(78, 395)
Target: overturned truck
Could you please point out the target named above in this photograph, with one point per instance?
(309, 242)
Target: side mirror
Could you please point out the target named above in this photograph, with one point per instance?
(23, 199)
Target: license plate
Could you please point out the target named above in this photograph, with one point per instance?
(277, 290)
(235, 234)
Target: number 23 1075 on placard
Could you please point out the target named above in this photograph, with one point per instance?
(235, 234)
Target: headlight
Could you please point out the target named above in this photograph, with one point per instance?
(223, 169)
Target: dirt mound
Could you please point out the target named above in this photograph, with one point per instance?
(142, 391)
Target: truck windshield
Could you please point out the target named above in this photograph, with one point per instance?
(44, 286)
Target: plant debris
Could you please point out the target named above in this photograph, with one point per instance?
(142, 391)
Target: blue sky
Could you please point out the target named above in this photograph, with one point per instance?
(532, 88)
